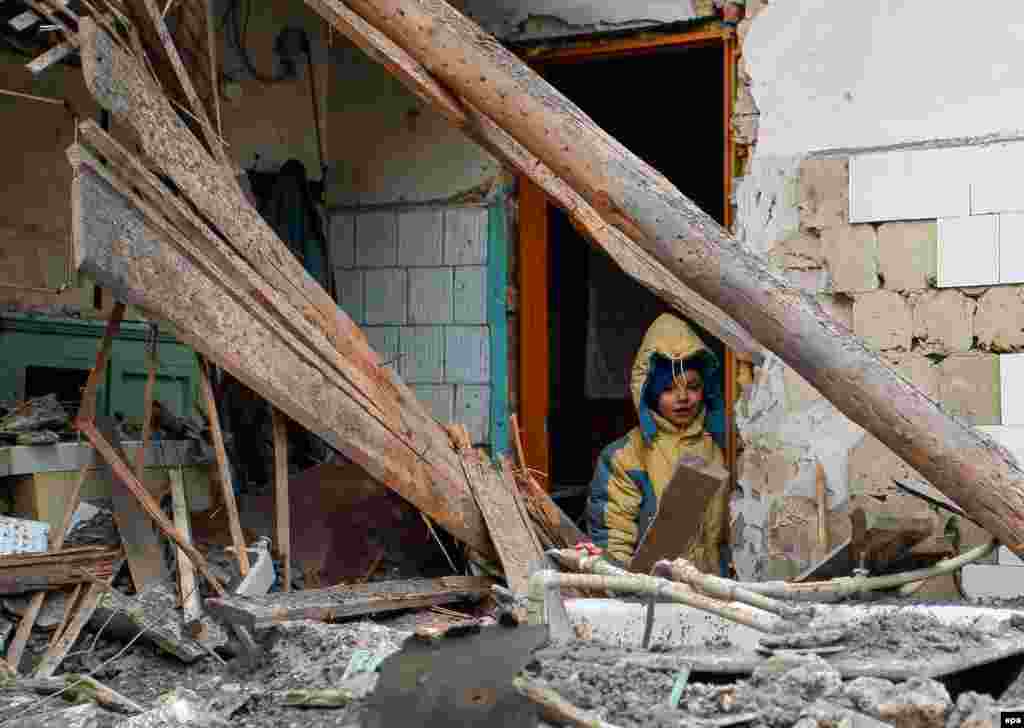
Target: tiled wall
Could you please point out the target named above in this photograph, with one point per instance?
(416, 281)
(973, 191)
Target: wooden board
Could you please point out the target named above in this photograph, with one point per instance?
(59, 649)
(141, 544)
(191, 605)
(282, 523)
(23, 573)
(143, 263)
(513, 538)
(680, 512)
(347, 601)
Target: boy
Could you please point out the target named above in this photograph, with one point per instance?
(670, 390)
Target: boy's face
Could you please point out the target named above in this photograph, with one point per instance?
(681, 403)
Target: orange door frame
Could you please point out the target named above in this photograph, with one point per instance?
(534, 357)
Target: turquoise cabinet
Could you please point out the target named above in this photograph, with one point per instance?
(40, 354)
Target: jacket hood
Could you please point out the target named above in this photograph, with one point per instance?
(673, 339)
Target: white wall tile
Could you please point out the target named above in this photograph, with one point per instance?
(1009, 436)
(992, 581)
(470, 295)
(1011, 248)
(467, 356)
(430, 295)
(968, 251)
(376, 240)
(343, 240)
(421, 237)
(995, 183)
(473, 409)
(439, 400)
(385, 295)
(465, 236)
(422, 354)
(915, 184)
(1011, 389)
(350, 293)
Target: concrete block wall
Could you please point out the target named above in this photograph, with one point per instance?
(415, 280)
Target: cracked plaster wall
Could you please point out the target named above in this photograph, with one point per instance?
(818, 82)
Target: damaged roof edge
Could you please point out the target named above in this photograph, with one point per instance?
(524, 20)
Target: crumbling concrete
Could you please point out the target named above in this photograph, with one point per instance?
(883, 320)
(851, 252)
(999, 321)
(944, 321)
(824, 193)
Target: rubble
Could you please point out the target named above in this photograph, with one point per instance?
(42, 413)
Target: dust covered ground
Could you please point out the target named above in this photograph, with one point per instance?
(626, 687)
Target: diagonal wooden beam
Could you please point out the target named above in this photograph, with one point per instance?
(148, 503)
(968, 466)
(632, 258)
(227, 489)
(142, 259)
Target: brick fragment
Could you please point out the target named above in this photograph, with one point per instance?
(824, 193)
(944, 321)
(851, 252)
(999, 321)
(907, 254)
(883, 319)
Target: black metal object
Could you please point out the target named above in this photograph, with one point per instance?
(463, 681)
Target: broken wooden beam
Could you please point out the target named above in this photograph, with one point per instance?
(967, 465)
(22, 573)
(188, 587)
(632, 258)
(512, 536)
(347, 601)
(63, 643)
(154, 614)
(124, 241)
(282, 515)
(227, 486)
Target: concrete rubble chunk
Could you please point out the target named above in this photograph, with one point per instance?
(916, 703)
(37, 414)
(155, 612)
(974, 710)
(907, 254)
(883, 320)
(824, 193)
(944, 321)
(999, 321)
(80, 716)
(851, 252)
(176, 710)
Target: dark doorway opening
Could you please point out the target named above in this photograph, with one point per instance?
(67, 384)
(666, 106)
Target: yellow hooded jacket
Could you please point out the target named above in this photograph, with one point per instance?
(633, 471)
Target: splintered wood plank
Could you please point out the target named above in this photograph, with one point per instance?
(147, 501)
(680, 512)
(347, 601)
(227, 490)
(282, 524)
(513, 539)
(142, 546)
(156, 17)
(140, 255)
(118, 84)
(56, 653)
(191, 605)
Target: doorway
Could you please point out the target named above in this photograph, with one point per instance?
(583, 318)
